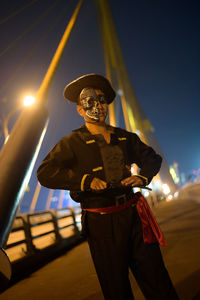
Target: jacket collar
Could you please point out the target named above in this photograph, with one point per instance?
(117, 136)
(85, 134)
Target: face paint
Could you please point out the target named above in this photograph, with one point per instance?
(90, 103)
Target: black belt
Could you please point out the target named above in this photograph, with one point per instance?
(99, 202)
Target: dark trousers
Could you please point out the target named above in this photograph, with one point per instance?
(116, 244)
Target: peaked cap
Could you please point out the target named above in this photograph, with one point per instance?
(74, 88)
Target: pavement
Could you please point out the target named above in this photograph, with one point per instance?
(72, 276)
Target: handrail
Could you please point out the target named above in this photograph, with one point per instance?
(32, 222)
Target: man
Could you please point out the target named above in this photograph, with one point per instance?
(94, 163)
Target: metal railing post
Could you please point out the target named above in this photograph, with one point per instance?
(55, 224)
(76, 230)
(27, 230)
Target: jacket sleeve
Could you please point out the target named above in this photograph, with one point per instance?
(56, 170)
(145, 157)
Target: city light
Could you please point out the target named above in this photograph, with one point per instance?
(176, 194)
(146, 194)
(169, 198)
(156, 184)
(174, 173)
(29, 100)
(166, 189)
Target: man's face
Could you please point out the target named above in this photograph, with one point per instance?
(94, 104)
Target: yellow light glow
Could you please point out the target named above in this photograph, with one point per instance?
(166, 189)
(6, 139)
(29, 100)
(174, 175)
(156, 184)
(176, 194)
(169, 198)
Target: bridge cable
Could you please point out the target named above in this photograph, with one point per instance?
(30, 54)
(17, 12)
(29, 28)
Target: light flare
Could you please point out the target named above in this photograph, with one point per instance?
(166, 189)
(29, 100)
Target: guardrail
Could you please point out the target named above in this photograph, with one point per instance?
(32, 233)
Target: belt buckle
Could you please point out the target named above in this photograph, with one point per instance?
(118, 198)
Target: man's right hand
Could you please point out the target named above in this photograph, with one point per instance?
(98, 184)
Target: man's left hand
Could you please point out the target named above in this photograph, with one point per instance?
(133, 181)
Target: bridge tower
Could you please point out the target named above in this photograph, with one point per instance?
(134, 118)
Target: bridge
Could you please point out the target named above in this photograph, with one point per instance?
(44, 248)
(70, 273)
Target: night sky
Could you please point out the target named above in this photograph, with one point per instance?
(160, 43)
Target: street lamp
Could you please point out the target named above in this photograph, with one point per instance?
(28, 101)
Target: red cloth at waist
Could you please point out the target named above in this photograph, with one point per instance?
(151, 230)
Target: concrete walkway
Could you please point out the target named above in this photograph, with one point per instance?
(72, 275)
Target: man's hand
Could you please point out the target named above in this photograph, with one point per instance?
(98, 184)
(133, 181)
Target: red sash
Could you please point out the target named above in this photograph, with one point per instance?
(151, 230)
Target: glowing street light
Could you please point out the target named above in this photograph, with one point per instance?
(169, 198)
(176, 194)
(146, 194)
(29, 100)
(166, 189)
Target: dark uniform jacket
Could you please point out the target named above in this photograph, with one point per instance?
(76, 160)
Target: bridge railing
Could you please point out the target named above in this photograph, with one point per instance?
(34, 232)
